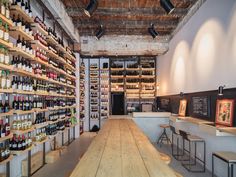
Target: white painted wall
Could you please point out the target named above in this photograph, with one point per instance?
(202, 55)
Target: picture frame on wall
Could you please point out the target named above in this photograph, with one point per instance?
(182, 107)
(224, 112)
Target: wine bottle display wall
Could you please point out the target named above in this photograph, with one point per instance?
(37, 80)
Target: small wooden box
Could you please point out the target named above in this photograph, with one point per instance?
(36, 163)
(52, 156)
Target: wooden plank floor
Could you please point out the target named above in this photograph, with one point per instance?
(121, 150)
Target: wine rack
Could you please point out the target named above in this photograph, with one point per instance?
(104, 90)
(94, 87)
(37, 82)
(136, 77)
(82, 96)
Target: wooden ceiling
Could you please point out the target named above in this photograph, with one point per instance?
(127, 17)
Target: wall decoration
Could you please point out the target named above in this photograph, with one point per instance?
(182, 108)
(201, 106)
(224, 112)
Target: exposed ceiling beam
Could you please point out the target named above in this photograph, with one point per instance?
(127, 24)
(75, 11)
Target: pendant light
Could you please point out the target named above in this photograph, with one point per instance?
(152, 31)
(92, 6)
(99, 32)
(167, 5)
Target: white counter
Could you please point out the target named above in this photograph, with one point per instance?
(150, 123)
(151, 114)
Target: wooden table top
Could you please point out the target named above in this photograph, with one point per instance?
(121, 150)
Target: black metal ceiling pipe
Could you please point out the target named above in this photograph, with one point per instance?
(100, 32)
(167, 5)
(152, 31)
(92, 6)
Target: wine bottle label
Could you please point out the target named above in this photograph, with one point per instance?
(3, 83)
(7, 13)
(23, 47)
(18, 127)
(14, 86)
(6, 36)
(1, 34)
(19, 65)
(8, 83)
(14, 146)
(8, 128)
(19, 146)
(23, 144)
(14, 126)
(2, 58)
(3, 154)
(18, 45)
(24, 87)
(3, 134)
(19, 24)
(3, 10)
(7, 59)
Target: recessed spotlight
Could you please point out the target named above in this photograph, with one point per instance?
(100, 32)
(167, 5)
(152, 31)
(92, 6)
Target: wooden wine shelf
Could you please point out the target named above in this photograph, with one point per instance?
(144, 83)
(20, 112)
(15, 9)
(104, 69)
(146, 76)
(134, 83)
(10, 113)
(231, 130)
(36, 26)
(6, 90)
(6, 44)
(148, 69)
(37, 43)
(117, 69)
(16, 31)
(67, 55)
(131, 77)
(147, 91)
(51, 40)
(6, 20)
(132, 90)
(7, 160)
(20, 132)
(18, 51)
(6, 137)
(17, 153)
(38, 126)
(36, 143)
(132, 69)
(118, 76)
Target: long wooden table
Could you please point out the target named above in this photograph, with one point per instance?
(121, 150)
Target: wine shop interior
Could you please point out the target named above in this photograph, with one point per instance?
(117, 88)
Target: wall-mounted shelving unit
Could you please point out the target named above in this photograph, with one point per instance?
(37, 87)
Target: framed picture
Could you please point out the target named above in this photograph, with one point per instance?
(224, 112)
(182, 107)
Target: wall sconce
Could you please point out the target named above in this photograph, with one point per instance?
(100, 32)
(221, 90)
(167, 5)
(152, 31)
(92, 6)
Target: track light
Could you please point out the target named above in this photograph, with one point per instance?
(100, 32)
(167, 5)
(152, 31)
(221, 90)
(92, 6)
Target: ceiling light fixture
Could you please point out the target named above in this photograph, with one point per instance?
(100, 32)
(167, 5)
(92, 6)
(152, 31)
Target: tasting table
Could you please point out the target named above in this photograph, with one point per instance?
(121, 150)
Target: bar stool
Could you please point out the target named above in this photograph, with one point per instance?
(175, 134)
(228, 157)
(164, 136)
(165, 158)
(193, 139)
